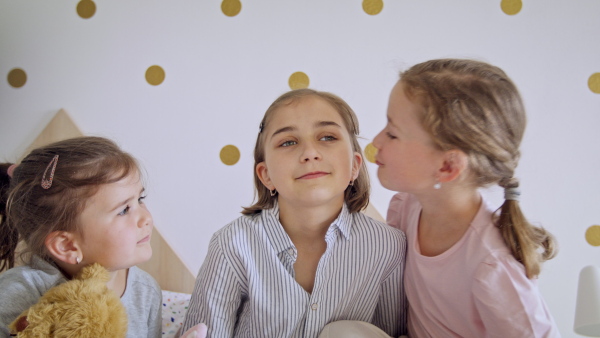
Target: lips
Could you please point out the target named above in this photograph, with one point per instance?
(144, 240)
(311, 175)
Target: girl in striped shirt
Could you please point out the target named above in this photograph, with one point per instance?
(303, 255)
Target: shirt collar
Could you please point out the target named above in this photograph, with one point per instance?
(282, 242)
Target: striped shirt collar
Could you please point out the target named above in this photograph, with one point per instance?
(282, 242)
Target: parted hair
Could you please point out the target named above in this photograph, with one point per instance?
(474, 107)
(30, 212)
(355, 196)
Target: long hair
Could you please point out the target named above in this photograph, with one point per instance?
(356, 196)
(475, 107)
(31, 213)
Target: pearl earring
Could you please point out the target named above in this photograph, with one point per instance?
(437, 186)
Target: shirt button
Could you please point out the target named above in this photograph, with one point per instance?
(291, 252)
(314, 306)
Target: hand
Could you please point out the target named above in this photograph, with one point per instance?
(198, 331)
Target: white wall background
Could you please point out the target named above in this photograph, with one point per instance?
(223, 72)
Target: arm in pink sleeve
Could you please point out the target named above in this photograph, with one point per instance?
(509, 304)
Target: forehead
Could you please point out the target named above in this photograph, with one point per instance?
(400, 106)
(305, 110)
(128, 185)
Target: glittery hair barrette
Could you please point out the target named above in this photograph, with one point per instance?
(47, 182)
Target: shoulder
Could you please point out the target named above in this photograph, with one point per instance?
(141, 282)
(499, 269)
(374, 231)
(401, 207)
(366, 223)
(40, 278)
(238, 228)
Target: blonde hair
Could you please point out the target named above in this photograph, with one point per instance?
(356, 196)
(474, 107)
(33, 212)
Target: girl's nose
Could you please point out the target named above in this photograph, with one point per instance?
(310, 153)
(145, 219)
(377, 140)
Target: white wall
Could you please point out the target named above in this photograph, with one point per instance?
(222, 73)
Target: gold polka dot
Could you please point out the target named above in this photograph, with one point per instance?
(155, 75)
(86, 9)
(298, 80)
(511, 7)
(592, 235)
(372, 7)
(17, 77)
(594, 83)
(370, 152)
(230, 155)
(231, 7)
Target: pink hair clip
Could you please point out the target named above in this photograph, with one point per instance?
(11, 170)
(47, 183)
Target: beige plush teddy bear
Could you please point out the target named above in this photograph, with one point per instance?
(82, 307)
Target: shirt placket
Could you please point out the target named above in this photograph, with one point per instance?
(317, 315)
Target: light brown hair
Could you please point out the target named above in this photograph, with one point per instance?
(33, 212)
(355, 196)
(475, 107)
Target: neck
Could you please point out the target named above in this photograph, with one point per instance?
(307, 223)
(118, 281)
(451, 208)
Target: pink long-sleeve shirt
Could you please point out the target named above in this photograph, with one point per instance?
(474, 289)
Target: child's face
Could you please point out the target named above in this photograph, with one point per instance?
(308, 154)
(406, 155)
(116, 225)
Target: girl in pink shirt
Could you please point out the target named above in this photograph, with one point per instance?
(454, 126)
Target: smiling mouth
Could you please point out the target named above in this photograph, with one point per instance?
(315, 174)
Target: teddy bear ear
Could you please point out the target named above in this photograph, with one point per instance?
(96, 271)
(21, 324)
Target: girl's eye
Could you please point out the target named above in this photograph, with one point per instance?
(390, 136)
(288, 143)
(328, 138)
(124, 211)
(141, 199)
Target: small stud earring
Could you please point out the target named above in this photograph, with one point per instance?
(437, 186)
(273, 192)
(78, 260)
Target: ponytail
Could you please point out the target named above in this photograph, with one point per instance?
(523, 238)
(10, 236)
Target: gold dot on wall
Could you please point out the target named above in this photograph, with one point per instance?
(592, 235)
(511, 7)
(17, 77)
(231, 7)
(594, 83)
(86, 9)
(372, 7)
(230, 154)
(298, 80)
(370, 152)
(155, 75)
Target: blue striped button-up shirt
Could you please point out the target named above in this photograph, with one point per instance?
(246, 285)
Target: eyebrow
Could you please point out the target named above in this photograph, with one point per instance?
(318, 124)
(117, 206)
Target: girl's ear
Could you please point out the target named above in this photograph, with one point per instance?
(455, 162)
(356, 165)
(62, 245)
(263, 175)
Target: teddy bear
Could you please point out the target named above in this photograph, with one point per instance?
(81, 307)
